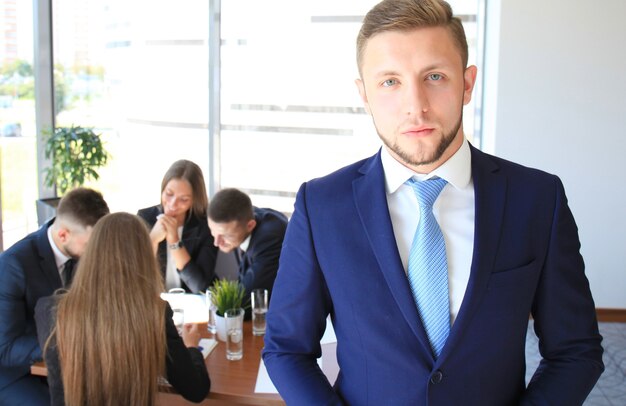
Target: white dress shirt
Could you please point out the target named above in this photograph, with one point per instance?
(59, 258)
(453, 209)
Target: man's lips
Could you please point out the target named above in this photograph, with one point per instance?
(418, 131)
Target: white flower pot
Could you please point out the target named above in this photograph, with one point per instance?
(220, 325)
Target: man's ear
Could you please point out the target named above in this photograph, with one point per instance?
(361, 86)
(469, 80)
(250, 225)
(63, 233)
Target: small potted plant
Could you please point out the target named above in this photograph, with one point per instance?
(226, 294)
(75, 153)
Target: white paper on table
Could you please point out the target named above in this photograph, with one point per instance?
(194, 306)
(263, 382)
(207, 345)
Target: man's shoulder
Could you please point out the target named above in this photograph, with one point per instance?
(345, 175)
(26, 249)
(511, 169)
(270, 218)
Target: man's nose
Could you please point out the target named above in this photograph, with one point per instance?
(416, 99)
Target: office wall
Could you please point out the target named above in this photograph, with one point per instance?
(555, 99)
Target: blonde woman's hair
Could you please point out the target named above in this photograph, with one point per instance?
(110, 327)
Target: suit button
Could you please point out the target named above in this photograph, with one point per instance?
(436, 377)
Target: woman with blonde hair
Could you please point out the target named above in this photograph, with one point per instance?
(179, 231)
(109, 339)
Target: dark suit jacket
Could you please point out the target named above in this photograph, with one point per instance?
(340, 258)
(185, 367)
(28, 272)
(199, 273)
(259, 263)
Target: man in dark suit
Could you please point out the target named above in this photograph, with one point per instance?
(255, 234)
(33, 268)
(511, 250)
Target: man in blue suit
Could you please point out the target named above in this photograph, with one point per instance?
(255, 233)
(33, 268)
(511, 248)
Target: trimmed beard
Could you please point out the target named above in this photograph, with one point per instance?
(438, 153)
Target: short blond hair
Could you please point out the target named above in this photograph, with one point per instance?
(406, 15)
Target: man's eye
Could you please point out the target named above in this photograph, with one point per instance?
(435, 76)
(389, 82)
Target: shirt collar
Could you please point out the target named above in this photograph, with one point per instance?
(59, 258)
(457, 170)
(244, 245)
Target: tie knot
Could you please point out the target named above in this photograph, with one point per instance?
(427, 190)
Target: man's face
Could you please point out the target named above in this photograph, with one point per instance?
(228, 236)
(74, 240)
(414, 85)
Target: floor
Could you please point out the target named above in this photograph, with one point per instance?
(611, 388)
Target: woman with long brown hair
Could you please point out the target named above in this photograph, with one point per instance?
(110, 337)
(179, 231)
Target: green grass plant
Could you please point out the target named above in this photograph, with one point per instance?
(227, 294)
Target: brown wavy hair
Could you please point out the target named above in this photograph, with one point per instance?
(110, 327)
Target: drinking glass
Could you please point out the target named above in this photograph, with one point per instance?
(259, 309)
(234, 333)
(211, 308)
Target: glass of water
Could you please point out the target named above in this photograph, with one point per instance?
(259, 309)
(233, 319)
(211, 309)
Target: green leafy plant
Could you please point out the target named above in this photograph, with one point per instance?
(76, 153)
(227, 294)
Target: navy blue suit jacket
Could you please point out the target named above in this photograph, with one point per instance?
(259, 264)
(199, 273)
(28, 272)
(340, 258)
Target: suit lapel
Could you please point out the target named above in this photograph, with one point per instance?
(489, 201)
(371, 203)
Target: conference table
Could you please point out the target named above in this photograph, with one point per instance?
(232, 382)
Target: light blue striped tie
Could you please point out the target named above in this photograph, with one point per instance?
(428, 269)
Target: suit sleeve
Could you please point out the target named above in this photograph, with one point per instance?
(296, 318)
(199, 273)
(186, 370)
(564, 319)
(18, 346)
(263, 262)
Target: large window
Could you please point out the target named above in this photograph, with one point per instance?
(18, 148)
(141, 79)
(290, 110)
(140, 73)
